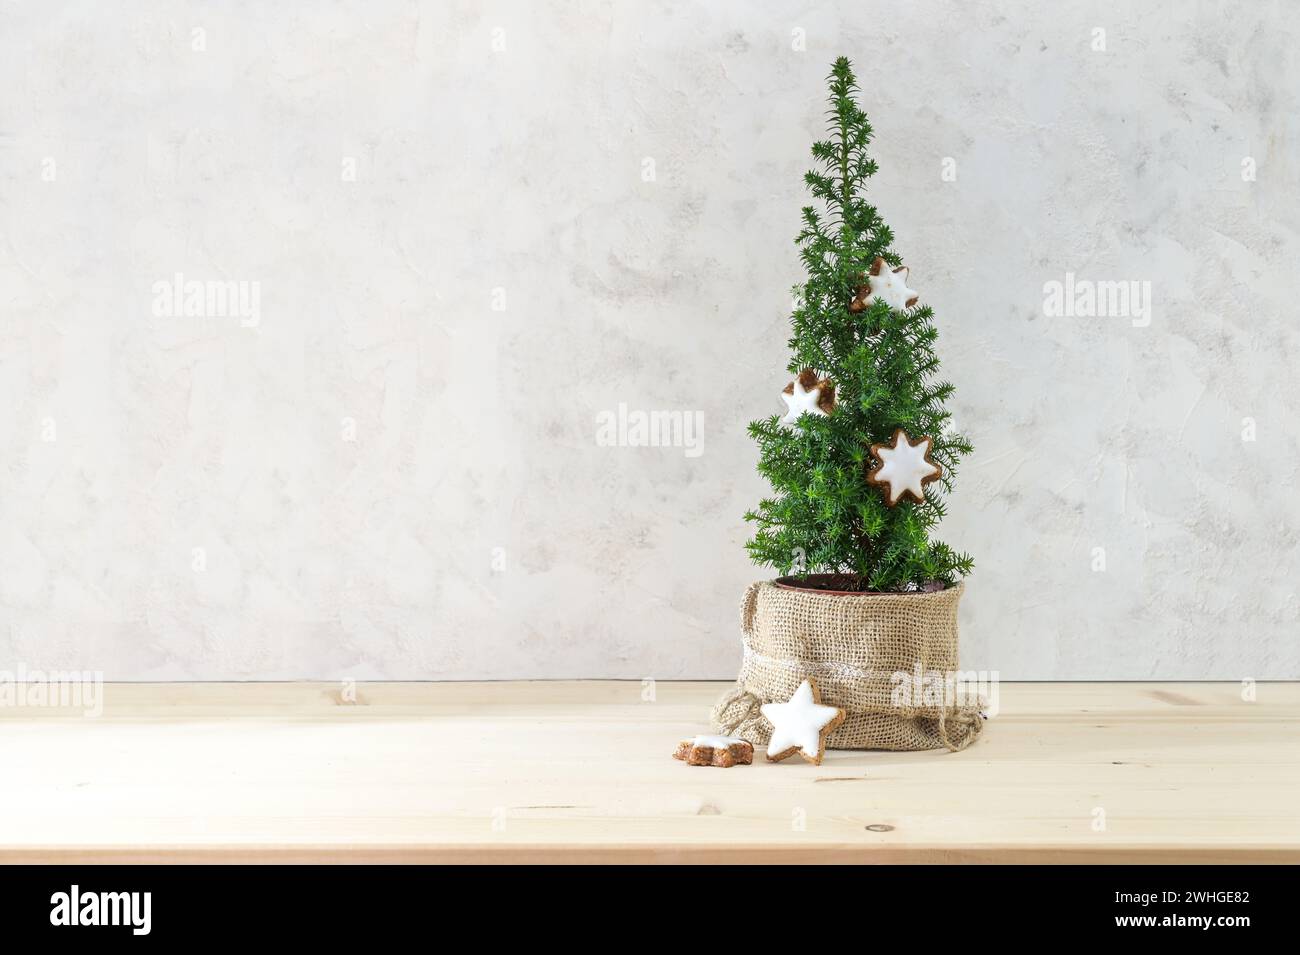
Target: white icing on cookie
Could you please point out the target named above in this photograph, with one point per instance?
(799, 723)
(801, 402)
(717, 742)
(904, 467)
(890, 286)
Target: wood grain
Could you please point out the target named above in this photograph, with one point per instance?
(582, 772)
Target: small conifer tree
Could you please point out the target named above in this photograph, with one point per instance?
(877, 365)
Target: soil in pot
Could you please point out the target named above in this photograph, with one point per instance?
(847, 585)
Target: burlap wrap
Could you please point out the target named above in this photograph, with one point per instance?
(854, 645)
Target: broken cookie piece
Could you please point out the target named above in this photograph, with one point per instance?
(724, 751)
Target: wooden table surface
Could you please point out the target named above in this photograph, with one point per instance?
(582, 771)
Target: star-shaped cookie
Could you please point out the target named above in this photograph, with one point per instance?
(808, 394)
(801, 725)
(724, 751)
(905, 468)
(885, 285)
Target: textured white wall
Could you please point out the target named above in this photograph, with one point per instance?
(321, 490)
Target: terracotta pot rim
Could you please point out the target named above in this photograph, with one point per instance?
(794, 583)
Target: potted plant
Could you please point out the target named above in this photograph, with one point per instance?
(867, 599)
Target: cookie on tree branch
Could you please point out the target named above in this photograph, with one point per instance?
(808, 394)
(886, 285)
(905, 468)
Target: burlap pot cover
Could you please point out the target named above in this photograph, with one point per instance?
(855, 645)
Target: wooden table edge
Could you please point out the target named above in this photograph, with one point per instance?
(647, 854)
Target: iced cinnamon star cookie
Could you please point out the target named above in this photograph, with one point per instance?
(802, 725)
(724, 751)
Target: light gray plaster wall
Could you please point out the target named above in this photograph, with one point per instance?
(473, 227)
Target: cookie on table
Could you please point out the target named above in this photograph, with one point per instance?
(801, 725)
(723, 751)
